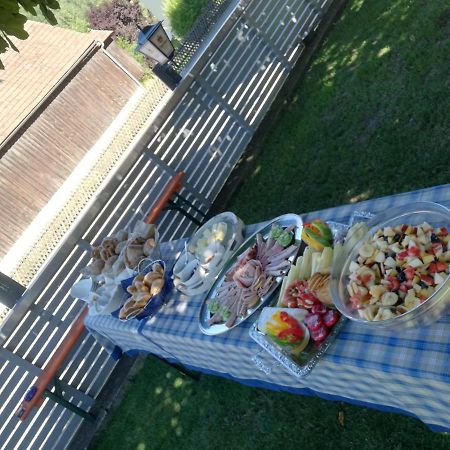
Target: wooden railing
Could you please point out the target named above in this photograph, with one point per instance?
(35, 395)
(202, 129)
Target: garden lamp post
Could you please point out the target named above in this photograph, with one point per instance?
(154, 43)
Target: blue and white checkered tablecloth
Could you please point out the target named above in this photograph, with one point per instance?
(407, 372)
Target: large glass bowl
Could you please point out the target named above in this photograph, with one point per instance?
(412, 214)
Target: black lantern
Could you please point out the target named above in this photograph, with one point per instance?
(154, 43)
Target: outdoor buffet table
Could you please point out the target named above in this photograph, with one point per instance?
(406, 371)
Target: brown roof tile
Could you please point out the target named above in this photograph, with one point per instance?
(43, 59)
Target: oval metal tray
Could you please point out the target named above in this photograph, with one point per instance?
(234, 238)
(285, 220)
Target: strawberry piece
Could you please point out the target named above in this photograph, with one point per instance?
(319, 334)
(432, 268)
(330, 318)
(443, 232)
(319, 308)
(307, 300)
(355, 301)
(366, 278)
(404, 227)
(409, 272)
(402, 255)
(313, 322)
(441, 266)
(394, 283)
(427, 279)
(403, 287)
(414, 251)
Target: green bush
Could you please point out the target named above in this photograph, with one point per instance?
(182, 14)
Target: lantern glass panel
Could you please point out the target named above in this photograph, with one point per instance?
(162, 42)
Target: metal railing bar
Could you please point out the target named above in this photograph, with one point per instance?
(258, 94)
(233, 158)
(200, 159)
(252, 83)
(271, 16)
(198, 144)
(231, 76)
(221, 28)
(247, 56)
(189, 141)
(290, 39)
(213, 173)
(273, 88)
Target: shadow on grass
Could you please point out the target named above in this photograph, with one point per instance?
(369, 119)
(164, 410)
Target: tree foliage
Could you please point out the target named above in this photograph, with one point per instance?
(121, 16)
(12, 21)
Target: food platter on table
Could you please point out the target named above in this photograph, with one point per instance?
(301, 322)
(211, 246)
(251, 275)
(146, 291)
(119, 259)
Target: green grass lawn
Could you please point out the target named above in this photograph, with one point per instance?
(369, 119)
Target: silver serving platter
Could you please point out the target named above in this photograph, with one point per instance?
(301, 365)
(285, 220)
(234, 238)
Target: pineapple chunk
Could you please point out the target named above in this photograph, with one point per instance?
(439, 278)
(377, 291)
(390, 262)
(415, 262)
(428, 259)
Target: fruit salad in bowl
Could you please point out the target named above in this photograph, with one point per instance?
(394, 269)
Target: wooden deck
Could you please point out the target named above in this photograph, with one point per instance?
(202, 128)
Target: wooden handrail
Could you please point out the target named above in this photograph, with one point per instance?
(52, 366)
(173, 186)
(34, 396)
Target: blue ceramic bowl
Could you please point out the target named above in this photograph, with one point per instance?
(157, 301)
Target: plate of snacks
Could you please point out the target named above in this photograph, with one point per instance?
(251, 275)
(119, 254)
(208, 250)
(147, 291)
(394, 269)
(303, 323)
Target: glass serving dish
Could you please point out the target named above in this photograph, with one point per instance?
(412, 214)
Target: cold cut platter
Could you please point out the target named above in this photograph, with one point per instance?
(251, 276)
(298, 328)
